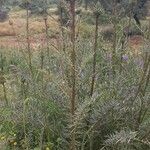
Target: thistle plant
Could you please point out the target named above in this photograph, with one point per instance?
(28, 40)
(78, 89)
(73, 69)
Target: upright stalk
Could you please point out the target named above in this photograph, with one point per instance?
(24, 124)
(147, 81)
(114, 39)
(73, 55)
(143, 84)
(129, 21)
(147, 55)
(5, 94)
(94, 56)
(61, 24)
(2, 62)
(47, 41)
(86, 4)
(122, 52)
(125, 37)
(73, 69)
(46, 32)
(28, 40)
(2, 82)
(41, 67)
(145, 76)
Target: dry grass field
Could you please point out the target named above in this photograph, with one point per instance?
(13, 31)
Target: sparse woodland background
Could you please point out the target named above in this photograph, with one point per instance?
(74, 75)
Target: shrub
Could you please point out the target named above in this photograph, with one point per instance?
(3, 15)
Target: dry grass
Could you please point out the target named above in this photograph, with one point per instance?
(6, 29)
(19, 23)
(8, 33)
(15, 28)
(136, 44)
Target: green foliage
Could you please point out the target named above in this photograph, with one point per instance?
(37, 116)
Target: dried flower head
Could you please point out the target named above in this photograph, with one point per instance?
(47, 148)
(15, 143)
(3, 137)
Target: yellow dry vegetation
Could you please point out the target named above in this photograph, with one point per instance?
(16, 25)
(6, 29)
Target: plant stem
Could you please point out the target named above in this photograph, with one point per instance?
(28, 41)
(61, 25)
(86, 4)
(2, 82)
(94, 56)
(24, 123)
(114, 39)
(2, 62)
(146, 71)
(42, 66)
(5, 94)
(147, 55)
(46, 32)
(47, 42)
(73, 56)
(73, 70)
(122, 52)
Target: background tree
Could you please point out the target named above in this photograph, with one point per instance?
(3, 11)
(36, 6)
(137, 8)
